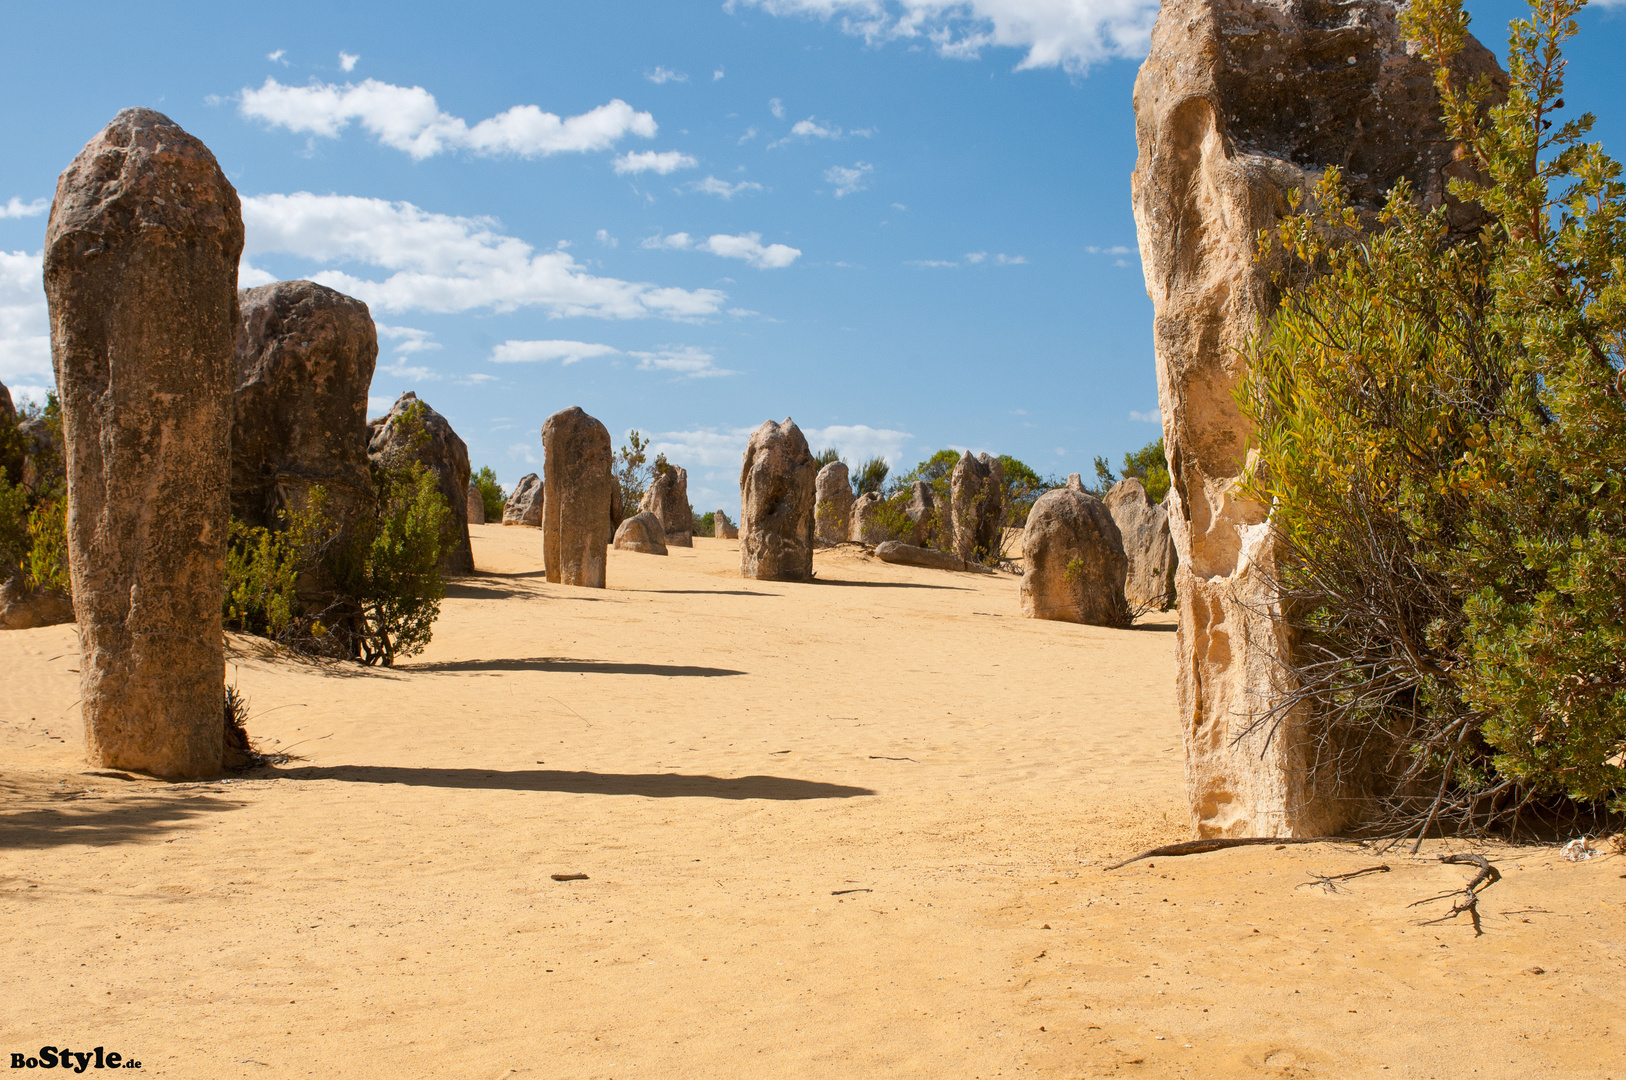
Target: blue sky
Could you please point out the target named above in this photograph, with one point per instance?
(904, 223)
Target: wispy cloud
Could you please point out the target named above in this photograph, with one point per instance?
(442, 263)
(411, 339)
(566, 352)
(776, 107)
(347, 61)
(408, 119)
(278, 57)
(605, 239)
(1070, 34)
(747, 246)
(16, 208)
(660, 162)
(1116, 249)
(1154, 416)
(718, 74)
(972, 258)
(848, 180)
(686, 361)
(722, 188)
(662, 75)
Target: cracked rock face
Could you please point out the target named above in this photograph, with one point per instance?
(141, 255)
(576, 514)
(777, 482)
(1239, 103)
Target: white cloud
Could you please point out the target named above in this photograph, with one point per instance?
(603, 237)
(1096, 249)
(776, 107)
(407, 118)
(857, 442)
(277, 57)
(443, 263)
(930, 262)
(1151, 417)
(976, 257)
(661, 76)
(663, 162)
(706, 448)
(25, 335)
(347, 61)
(812, 129)
(566, 352)
(686, 360)
(378, 406)
(972, 258)
(718, 74)
(1071, 34)
(750, 133)
(847, 181)
(411, 339)
(522, 452)
(252, 277)
(402, 370)
(16, 208)
(1011, 260)
(722, 188)
(747, 246)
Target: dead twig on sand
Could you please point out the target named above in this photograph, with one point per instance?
(1326, 880)
(1469, 894)
(1197, 847)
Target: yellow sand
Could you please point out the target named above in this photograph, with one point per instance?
(847, 829)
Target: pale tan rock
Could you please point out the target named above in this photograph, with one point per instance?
(866, 526)
(524, 505)
(833, 503)
(926, 514)
(668, 499)
(776, 504)
(1238, 103)
(642, 532)
(976, 506)
(1148, 543)
(477, 505)
(722, 528)
(895, 551)
(141, 255)
(443, 453)
(576, 514)
(1073, 563)
(22, 608)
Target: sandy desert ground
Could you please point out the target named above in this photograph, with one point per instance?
(855, 828)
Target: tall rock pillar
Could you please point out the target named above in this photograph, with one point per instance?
(141, 277)
(1239, 103)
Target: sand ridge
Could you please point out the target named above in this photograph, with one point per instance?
(854, 827)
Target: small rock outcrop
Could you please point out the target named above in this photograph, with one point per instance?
(1148, 544)
(141, 254)
(1238, 104)
(976, 506)
(442, 453)
(477, 505)
(833, 503)
(722, 528)
(866, 526)
(776, 504)
(642, 532)
(576, 514)
(22, 608)
(1073, 562)
(524, 505)
(924, 512)
(894, 551)
(304, 360)
(668, 499)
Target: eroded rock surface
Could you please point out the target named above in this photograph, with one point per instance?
(576, 515)
(776, 504)
(722, 528)
(524, 505)
(642, 532)
(976, 506)
(833, 503)
(477, 505)
(866, 526)
(1073, 562)
(443, 453)
(668, 499)
(926, 514)
(1147, 542)
(1238, 103)
(141, 255)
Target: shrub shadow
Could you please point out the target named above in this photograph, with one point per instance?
(649, 785)
(102, 823)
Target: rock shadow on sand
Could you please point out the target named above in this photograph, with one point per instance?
(104, 822)
(566, 664)
(649, 785)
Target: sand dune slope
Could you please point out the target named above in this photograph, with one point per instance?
(854, 828)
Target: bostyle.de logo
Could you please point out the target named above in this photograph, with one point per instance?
(54, 1057)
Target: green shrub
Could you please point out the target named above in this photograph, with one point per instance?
(704, 524)
(13, 525)
(871, 475)
(492, 498)
(631, 472)
(1149, 465)
(47, 564)
(400, 586)
(826, 457)
(263, 569)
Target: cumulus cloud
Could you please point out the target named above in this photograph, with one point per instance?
(442, 263)
(747, 246)
(685, 360)
(661, 76)
(722, 188)
(566, 352)
(347, 61)
(662, 162)
(408, 119)
(714, 448)
(25, 335)
(856, 442)
(845, 180)
(411, 339)
(16, 208)
(1070, 34)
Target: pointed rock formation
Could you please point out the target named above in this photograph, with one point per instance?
(668, 499)
(524, 505)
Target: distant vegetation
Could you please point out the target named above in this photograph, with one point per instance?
(491, 496)
(34, 515)
(1149, 465)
